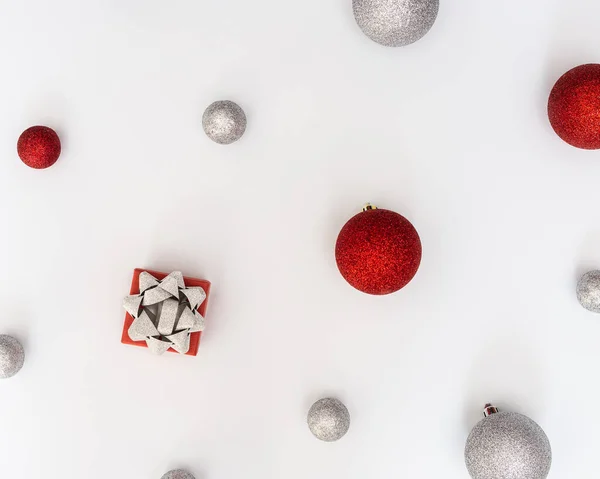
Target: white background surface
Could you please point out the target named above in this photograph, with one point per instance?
(450, 132)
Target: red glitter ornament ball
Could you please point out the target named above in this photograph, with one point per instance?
(378, 251)
(39, 147)
(574, 107)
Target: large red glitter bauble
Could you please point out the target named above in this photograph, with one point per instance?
(574, 107)
(378, 251)
(39, 147)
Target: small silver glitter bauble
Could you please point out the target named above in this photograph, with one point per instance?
(12, 356)
(328, 419)
(508, 445)
(224, 122)
(395, 23)
(588, 291)
(178, 474)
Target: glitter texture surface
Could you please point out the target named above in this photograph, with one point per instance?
(378, 251)
(395, 23)
(574, 107)
(328, 419)
(178, 474)
(224, 122)
(39, 147)
(507, 445)
(588, 291)
(12, 356)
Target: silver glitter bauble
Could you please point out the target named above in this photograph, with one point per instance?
(178, 474)
(588, 291)
(224, 122)
(395, 23)
(328, 419)
(12, 356)
(507, 445)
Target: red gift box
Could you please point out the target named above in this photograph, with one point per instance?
(189, 282)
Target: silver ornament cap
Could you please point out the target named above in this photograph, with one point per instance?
(12, 356)
(507, 445)
(178, 474)
(588, 291)
(224, 122)
(395, 23)
(328, 419)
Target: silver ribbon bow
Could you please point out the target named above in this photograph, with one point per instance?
(165, 312)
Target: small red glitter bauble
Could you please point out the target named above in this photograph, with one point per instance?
(574, 107)
(378, 251)
(39, 147)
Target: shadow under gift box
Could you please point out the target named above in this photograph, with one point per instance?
(189, 282)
